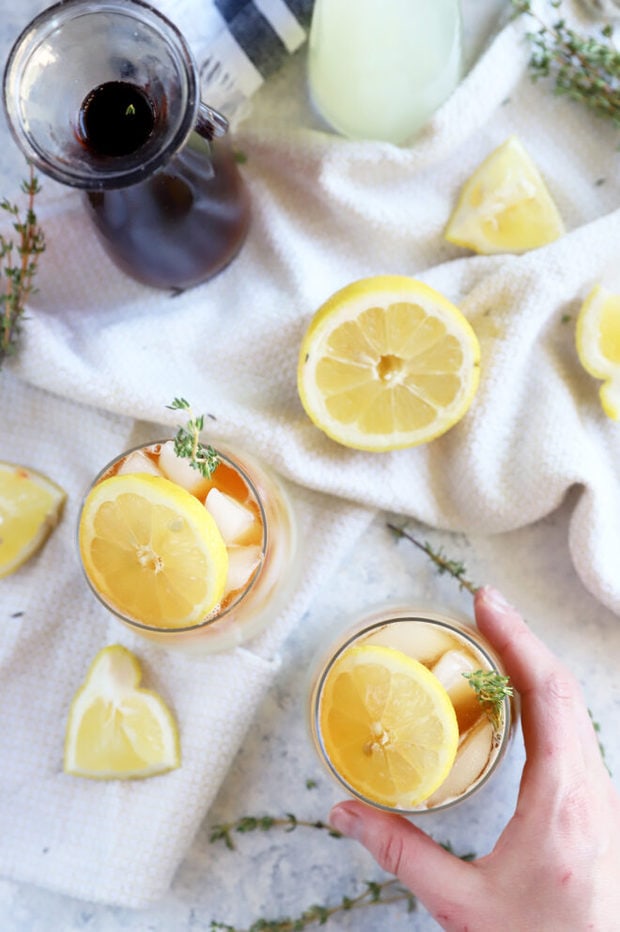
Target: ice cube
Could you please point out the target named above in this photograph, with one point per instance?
(449, 670)
(138, 462)
(242, 561)
(178, 469)
(425, 642)
(233, 520)
(471, 759)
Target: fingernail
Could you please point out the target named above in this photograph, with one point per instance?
(346, 822)
(496, 600)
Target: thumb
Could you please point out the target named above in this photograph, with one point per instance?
(440, 880)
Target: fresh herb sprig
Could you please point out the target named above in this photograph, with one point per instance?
(454, 568)
(19, 256)
(390, 891)
(223, 831)
(491, 690)
(585, 68)
(187, 442)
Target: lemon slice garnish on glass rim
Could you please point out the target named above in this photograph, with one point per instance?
(387, 362)
(117, 730)
(30, 507)
(505, 206)
(152, 551)
(387, 726)
(598, 344)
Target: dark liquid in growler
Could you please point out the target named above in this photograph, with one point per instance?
(185, 222)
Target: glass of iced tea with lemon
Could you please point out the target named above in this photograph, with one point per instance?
(189, 559)
(399, 714)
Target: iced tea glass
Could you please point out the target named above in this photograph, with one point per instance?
(261, 570)
(449, 648)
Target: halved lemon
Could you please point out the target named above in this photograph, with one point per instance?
(30, 507)
(117, 730)
(598, 345)
(387, 362)
(387, 725)
(505, 206)
(152, 551)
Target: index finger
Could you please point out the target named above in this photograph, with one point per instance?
(556, 727)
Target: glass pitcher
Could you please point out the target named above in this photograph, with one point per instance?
(104, 96)
(379, 70)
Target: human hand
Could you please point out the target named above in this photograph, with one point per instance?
(556, 865)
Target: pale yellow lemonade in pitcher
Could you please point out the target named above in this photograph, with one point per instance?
(144, 559)
(395, 717)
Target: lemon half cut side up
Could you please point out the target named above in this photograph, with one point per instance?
(386, 363)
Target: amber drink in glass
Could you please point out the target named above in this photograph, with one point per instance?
(448, 648)
(261, 546)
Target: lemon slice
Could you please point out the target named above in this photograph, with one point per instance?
(152, 551)
(387, 726)
(505, 205)
(387, 362)
(116, 730)
(30, 507)
(598, 345)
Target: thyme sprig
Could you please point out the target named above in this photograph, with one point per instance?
(20, 258)
(187, 442)
(222, 831)
(585, 68)
(444, 564)
(491, 690)
(390, 891)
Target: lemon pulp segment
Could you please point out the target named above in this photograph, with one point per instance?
(152, 550)
(386, 363)
(387, 725)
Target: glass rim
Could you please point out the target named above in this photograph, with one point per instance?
(214, 617)
(52, 18)
(396, 615)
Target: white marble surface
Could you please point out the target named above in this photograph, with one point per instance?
(277, 874)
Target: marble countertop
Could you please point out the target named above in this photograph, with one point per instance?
(276, 873)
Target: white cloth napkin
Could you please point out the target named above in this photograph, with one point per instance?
(101, 356)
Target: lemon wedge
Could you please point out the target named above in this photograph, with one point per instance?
(30, 507)
(598, 345)
(505, 206)
(387, 726)
(152, 551)
(117, 730)
(387, 362)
